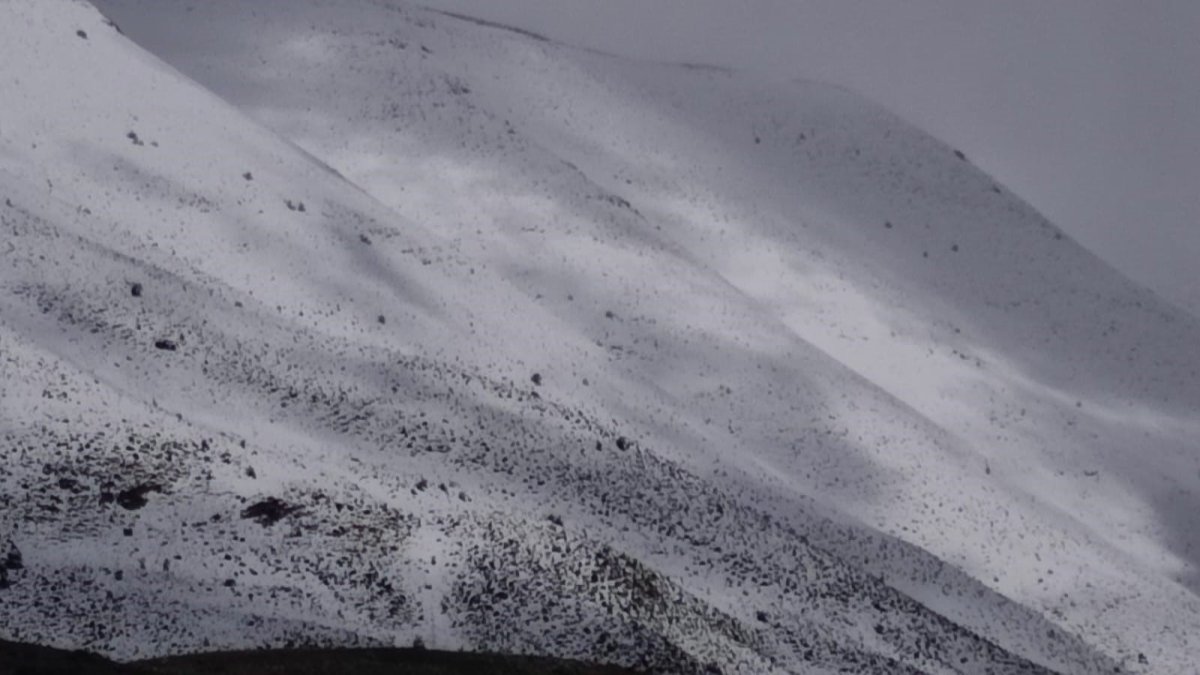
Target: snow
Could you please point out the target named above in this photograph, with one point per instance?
(797, 358)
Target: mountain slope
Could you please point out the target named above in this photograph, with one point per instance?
(486, 394)
(1063, 400)
(245, 404)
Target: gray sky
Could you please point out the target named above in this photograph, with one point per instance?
(1090, 109)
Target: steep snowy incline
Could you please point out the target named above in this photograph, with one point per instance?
(1046, 440)
(244, 403)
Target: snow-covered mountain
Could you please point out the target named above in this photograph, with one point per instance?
(370, 323)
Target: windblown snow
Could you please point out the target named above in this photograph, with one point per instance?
(359, 323)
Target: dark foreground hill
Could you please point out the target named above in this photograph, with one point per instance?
(25, 659)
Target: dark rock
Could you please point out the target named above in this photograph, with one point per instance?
(136, 290)
(622, 443)
(135, 498)
(537, 379)
(166, 345)
(268, 511)
(82, 33)
(13, 561)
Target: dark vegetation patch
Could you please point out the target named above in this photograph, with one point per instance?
(21, 659)
(414, 661)
(29, 659)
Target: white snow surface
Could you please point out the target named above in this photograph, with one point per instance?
(812, 392)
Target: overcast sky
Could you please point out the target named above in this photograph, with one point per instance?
(1090, 109)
